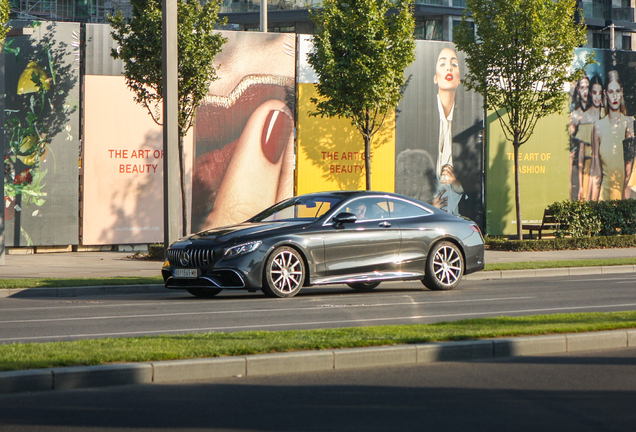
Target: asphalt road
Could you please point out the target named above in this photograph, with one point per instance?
(38, 320)
(593, 391)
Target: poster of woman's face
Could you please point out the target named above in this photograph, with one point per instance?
(439, 156)
(244, 131)
(602, 108)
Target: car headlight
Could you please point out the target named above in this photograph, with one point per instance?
(241, 249)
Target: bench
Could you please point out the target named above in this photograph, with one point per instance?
(547, 223)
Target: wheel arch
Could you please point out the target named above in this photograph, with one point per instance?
(294, 246)
(450, 240)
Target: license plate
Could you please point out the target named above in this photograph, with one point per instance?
(185, 273)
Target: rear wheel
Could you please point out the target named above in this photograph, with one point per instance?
(363, 286)
(284, 273)
(204, 292)
(444, 267)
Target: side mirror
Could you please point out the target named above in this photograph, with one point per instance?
(343, 218)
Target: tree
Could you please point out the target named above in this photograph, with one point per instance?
(4, 17)
(140, 49)
(520, 62)
(360, 52)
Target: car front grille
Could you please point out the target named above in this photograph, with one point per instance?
(190, 257)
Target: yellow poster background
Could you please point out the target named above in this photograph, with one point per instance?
(330, 151)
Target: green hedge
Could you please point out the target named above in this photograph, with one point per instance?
(595, 218)
(570, 243)
(155, 252)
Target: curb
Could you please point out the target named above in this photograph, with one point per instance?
(550, 272)
(175, 371)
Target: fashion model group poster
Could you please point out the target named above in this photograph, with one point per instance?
(439, 157)
(602, 108)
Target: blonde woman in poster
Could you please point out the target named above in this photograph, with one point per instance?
(580, 134)
(581, 124)
(244, 134)
(447, 78)
(612, 146)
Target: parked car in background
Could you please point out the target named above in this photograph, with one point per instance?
(358, 238)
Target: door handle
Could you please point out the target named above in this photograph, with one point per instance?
(385, 224)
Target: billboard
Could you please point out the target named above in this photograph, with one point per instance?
(41, 135)
(439, 127)
(602, 108)
(244, 131)
(122, 172)
(331, 150)
(543, 172)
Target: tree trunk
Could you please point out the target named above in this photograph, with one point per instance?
(367, 160)
(184, 197)
(367, 151)
(517, 191)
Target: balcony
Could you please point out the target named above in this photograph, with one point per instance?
(234, 6)
(433, 2)
(594, 11)
(623, 14)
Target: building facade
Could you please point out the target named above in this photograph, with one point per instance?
(611, 23)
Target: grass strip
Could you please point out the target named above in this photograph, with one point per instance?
(20, 356)
(530, 265)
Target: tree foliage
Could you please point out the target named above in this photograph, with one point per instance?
(4, 17)
(140, 42)
(361, 49)
(520, 61)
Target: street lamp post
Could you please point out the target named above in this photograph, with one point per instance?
(171, 190)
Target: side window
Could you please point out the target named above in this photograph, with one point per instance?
(403, 209)
(368, 208)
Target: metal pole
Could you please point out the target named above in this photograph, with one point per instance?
(264, 16)
(171, 190)
(612, 37)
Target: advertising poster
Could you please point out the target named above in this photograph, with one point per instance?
(543, 173)
(244, 131)
(122, 168)
(41, 135)
(439, 127)
(331, 150)
(602, 108)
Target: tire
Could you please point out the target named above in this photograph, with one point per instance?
(284, 273)
(363, 286)
(204, 292)
(444, 267)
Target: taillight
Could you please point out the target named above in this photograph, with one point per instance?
(476, 229)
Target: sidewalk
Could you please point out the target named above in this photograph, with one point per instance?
(112, 264)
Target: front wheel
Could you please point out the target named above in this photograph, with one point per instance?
(444, 267)
(363, 286)
(284, 273)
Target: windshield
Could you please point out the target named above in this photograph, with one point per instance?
(298, 208)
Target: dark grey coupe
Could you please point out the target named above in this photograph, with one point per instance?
(356, 238)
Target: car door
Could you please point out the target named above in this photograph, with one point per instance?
(417, 233)
(370, 245)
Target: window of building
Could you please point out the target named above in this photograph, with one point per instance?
(627, 42)
(456, 24)
(600, 40)
(428, 29)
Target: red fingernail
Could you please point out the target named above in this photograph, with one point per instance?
(276, 132)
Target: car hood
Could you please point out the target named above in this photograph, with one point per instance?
(245, 230)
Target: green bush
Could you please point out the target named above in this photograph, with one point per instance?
(570, 243)
(594, 218)
(155, 252)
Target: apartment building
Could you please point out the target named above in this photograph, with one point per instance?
(611, 23)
